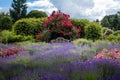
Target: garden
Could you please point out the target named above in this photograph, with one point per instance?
(92, 51)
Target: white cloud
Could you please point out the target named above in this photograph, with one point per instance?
(85, 9)
(43, 5)
(4, 9)
(40, 3)
(104, 7)
(89, 9)
(50, 10)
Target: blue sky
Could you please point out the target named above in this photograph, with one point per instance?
(83, 9)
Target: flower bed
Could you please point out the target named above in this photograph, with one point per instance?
(60, 61)
(10, 51)
(112, 54)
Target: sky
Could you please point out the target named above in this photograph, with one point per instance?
(81, 9)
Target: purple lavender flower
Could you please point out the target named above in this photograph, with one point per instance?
(59, 61)
(113, 46)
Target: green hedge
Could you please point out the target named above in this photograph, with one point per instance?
(117, 33)
(82, 41)
(28, 26)
(80, 23)
(36, 14)
(10, 37)
(114, 38)
(93, 31)
(5, 22)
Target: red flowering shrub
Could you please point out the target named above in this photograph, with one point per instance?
(112, 54)
(56, 25)
(10, 51)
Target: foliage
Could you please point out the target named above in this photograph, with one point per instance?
(27, 38)
(5, 22)
(80, 23)
(111, 21)
(18, 10)
(82, 42)
(10, 37)
(28, 26)
(93, 31)
(116, 33)
(36, 14)
(58, 24)
(7, 36)
(102, 42)
(114, 38)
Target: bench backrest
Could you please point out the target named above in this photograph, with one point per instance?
(60, 40)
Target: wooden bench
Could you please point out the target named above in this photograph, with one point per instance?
(59, 40)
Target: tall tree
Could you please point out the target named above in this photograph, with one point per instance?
(116, 22)
(97, 20)
(18, 10)
(111, 21)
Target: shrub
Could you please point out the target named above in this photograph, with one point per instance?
(9, 37)
(82, 42)
(116, 33)
(80, 23)
(19, 38)
(93, 31)
(29, 26)
(113, 38)
(36, 14)
(58, 24)
(5, 22)
(27, 38)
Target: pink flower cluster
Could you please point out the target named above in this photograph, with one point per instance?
(111, 54)
(10, 51)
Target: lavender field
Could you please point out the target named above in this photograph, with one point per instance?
(52, 40)
(59, 61)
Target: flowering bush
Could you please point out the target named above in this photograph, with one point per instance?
(10, 51)
(58, 24)
(112, 54)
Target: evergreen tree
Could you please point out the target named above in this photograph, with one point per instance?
(18, 10)
(111, 21)
(97, 20)
(116, 22)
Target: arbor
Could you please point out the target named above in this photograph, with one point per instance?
(36, 14)
(18, 10)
